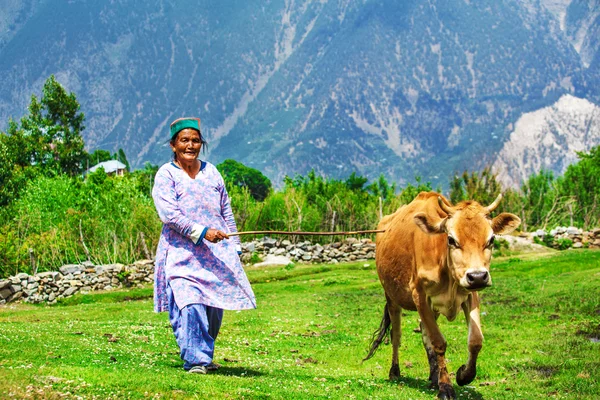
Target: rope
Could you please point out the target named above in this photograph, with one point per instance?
(305, 233)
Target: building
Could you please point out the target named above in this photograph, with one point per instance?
(111, 167)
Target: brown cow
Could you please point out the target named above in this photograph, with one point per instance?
(433, 258)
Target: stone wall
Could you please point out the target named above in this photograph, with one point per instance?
(74, 278)
(49, 287)
(351, 249)
(578, 237)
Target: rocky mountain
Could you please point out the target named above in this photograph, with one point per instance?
(582, 26)
(548, 139)
(374, 86)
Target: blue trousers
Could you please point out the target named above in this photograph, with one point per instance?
(196, 327)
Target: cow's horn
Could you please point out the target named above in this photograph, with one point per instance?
(445, 207)
(493, 206)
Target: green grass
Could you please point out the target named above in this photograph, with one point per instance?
(308, 336)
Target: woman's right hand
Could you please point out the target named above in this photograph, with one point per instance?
(215, 235)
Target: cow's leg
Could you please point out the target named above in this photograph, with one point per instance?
(395, 313)
(428, 320)
(466, 373)
(431, 357)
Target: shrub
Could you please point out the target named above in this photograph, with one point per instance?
(563, 243)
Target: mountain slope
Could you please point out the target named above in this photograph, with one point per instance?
(548, 139)
(400, 88)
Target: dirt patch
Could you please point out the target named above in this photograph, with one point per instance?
(545, 371)
(590, 331)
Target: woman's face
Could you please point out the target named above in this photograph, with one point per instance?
(187, 145)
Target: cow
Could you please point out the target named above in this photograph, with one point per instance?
(433, 258)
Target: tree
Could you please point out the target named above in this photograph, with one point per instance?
(53, 131)
(97, 157)
(47, 141)
(144, 178)
(409, 193)
(356, 182)
(457, 193)
(538, 197)
(237, 174)
(120, 156)
(382, 189)
(15, 162)
(581, 182)
(480, 186)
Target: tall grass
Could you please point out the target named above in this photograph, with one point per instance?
(64, 220)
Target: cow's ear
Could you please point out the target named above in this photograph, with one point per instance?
(427, 225)
(505, 223)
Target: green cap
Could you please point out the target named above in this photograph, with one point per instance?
(183, 123)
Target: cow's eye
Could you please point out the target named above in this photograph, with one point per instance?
(453, 243)
(490, 242)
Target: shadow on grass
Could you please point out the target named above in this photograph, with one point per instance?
(224, 370)
(236, 371)
(462, 392)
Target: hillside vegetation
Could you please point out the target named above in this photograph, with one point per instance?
(50, 214)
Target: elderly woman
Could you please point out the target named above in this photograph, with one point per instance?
(198, 274)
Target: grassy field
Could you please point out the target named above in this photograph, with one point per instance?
(541, 321)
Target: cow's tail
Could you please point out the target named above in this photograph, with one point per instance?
(380, 333)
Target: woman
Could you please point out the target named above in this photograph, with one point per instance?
(197, 273)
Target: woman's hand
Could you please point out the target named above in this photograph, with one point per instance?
(215, 235)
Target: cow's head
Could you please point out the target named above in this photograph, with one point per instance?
(470, 232)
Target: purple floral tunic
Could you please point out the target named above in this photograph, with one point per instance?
(198, 271)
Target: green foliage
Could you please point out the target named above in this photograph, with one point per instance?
(581, 184)
(97, 157)
(356, 182)
(546, 240)
(238, 175)
(538, 197)
(120, 156)
(11, 173)
(480, 186)
(410, 191)
(382, 189)
(290, 266)
(501, 244)
(144, 179)
(100, 155)
(56, 216)
(563, 243)
(46, 207)
(314, 203)
(46, 142)
(255, 258)
(123, 276)
(52, 130)
(502, 248)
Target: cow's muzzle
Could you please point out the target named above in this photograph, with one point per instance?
(478, 280)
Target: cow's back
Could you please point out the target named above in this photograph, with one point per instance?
(400, 244)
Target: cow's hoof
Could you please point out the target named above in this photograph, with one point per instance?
(394, 372)
(446, 392)
(464, 377)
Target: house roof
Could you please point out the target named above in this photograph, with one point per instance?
(109, 166)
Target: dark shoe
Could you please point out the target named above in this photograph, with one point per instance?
(213, 366)
(198, 369)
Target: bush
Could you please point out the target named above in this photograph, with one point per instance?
(546, 240)
(66, 220)
(501, 247)
(563, 243)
